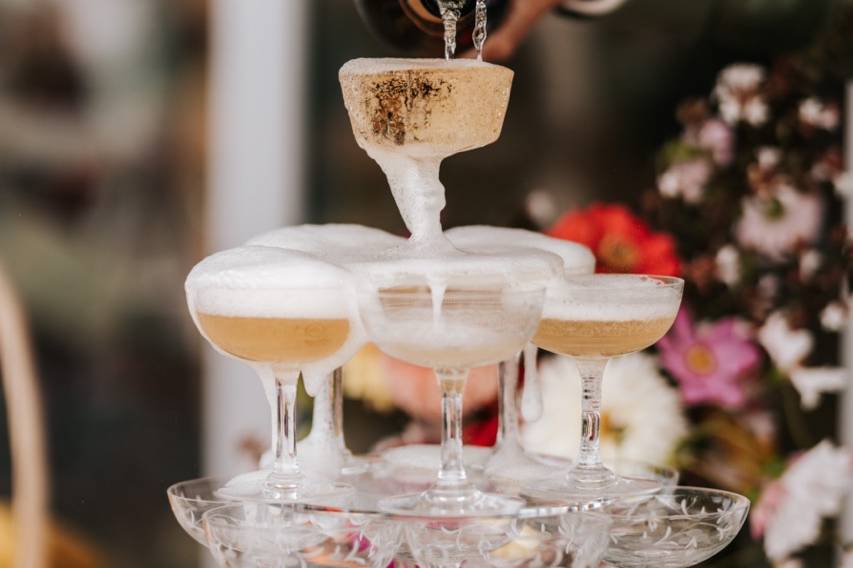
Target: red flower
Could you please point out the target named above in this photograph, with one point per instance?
(621, 241)
(482, 433)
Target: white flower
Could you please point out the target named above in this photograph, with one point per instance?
(812, 382)
(768, 157)
(843, 184)
(740, 77)
(810, 261)
(364, 380)
(814, 486)
(542, 207)
(738, 96)
(814, 112)
(686, 180)
(834, 316)
(755, 111)
(775, 226)
(728, 265)
(786, 347)
(789, 563)
(642, 415)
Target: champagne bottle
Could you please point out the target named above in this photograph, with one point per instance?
(416, 27)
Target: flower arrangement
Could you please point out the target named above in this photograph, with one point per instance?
(748, 209)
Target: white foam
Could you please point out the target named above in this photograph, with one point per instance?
(337, 243)
(577, 259)
(380, 65)
(257, 281)
(393, 260)
(531, 396)
(611, 298)
(415, 185)
(509, 268)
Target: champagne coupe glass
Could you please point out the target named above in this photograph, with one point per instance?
(190, 500)
(463, 323)
(680, 527)
(284, 313)
(592, 319)
(254, 534)
(532, 538)
(508, 461)
(324, 449)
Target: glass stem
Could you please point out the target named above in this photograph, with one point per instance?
(452, 473)
(337, 394)
(507, 403)
(592, 373)
(284, 480)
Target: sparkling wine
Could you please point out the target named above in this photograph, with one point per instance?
(291, 341)
(597, 338)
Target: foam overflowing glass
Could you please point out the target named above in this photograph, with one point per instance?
(256, 305)
(301, 301)
(465, 325)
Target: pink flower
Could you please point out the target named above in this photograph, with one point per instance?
(709, 362)
(686, 180)
(714, 136)
(771, 499)
(415, 389)
(775, 226)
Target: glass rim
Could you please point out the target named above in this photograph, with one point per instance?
(666, 281)
(738, 499)
(173, 490)
(411, 290)
(301, 288)
(221, 514)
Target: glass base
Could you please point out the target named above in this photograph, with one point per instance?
(588, 487)
(323, 462)
(255, 486)
(428, 456)
(354, 465)
(446, 503)
(510, 463)
(667, 476)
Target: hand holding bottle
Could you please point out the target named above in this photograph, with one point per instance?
(521, 17)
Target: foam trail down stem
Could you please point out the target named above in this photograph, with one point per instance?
(531, 397)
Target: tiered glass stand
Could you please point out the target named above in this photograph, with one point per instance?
(679, 526)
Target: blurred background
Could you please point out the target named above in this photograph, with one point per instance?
(111, 189)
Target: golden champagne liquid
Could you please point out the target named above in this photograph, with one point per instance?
(590, 339)
(276, 340)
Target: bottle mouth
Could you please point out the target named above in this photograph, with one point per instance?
(429, 10)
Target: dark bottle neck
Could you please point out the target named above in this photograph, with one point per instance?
(432, 8)
(416, 27)
(426, 14)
